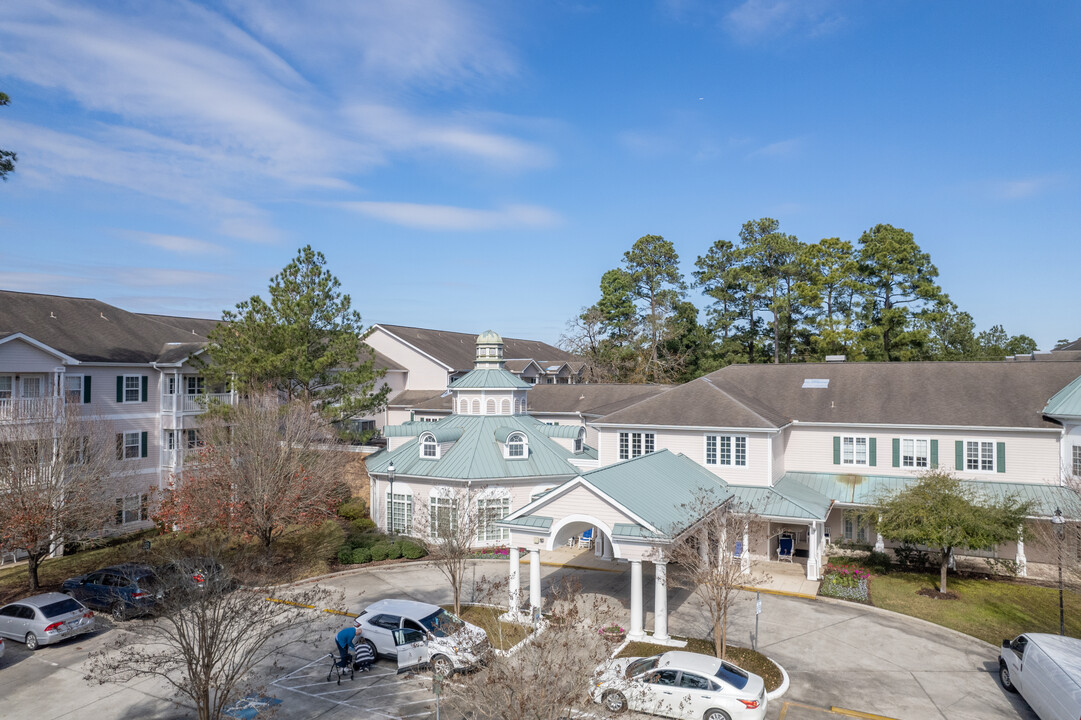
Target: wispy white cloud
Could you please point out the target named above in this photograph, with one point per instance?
(137, 277)
(756, 19)
(38, 282)
(174, 243)
(780, 148)
(448, 217)
(1025, 187)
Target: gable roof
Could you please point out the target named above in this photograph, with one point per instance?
(589, 398)
(93, 331)
(944, 394)
(1066, 402)
(459, 350)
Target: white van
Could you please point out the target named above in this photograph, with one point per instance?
(417, 633)
(1046, 670)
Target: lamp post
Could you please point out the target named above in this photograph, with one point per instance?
(1060, 532)
(390, 498)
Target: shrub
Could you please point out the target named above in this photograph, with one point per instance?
(911, 557)
(380, 550)
(353, 509)
(362, 555)
(878, 562)
(412, 550)
(394, 551)
(361, 526)
(345, 555)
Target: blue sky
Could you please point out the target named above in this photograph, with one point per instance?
(479, 165)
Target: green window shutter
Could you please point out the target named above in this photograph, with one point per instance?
(120, 446)
(897, 452)
(872, 451)
(959, 452)
(142, 445)
(146, 383)
(120, 388)
(934, 453)
(86, 388)
(1001, 448)
(836, 449)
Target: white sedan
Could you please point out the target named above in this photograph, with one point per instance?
(683, 685)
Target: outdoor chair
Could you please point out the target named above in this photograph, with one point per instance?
(785, 546)
(826, 535)
(586, 540)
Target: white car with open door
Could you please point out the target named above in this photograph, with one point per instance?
(417, 633)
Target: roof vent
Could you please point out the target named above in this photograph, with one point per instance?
(816, 383)
(52, 315)
(103, 316)
(835, 358)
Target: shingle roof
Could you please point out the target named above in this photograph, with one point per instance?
(428, 399)
(969, 394)
(1075, 345)
(477, 455)
(459, 350)
(93, 331)
(589, 398)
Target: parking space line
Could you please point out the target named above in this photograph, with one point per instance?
(833, 710)
(858, 714)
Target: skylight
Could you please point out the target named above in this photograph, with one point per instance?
(816, 383)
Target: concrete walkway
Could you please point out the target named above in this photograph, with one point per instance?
(836, 654)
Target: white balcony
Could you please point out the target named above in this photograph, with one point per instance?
(29, 409)
(193, 404)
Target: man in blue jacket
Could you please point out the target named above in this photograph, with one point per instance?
(345, 639)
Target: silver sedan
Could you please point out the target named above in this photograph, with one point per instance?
(45, 619)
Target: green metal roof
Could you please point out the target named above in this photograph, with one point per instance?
(1066, 402)
(537, 521)
(561, 431)
(503, 433)
(632, 530)
(587, 452)
(411, 428)
(478, 454)
(442, 433)
(661, 488)
(769, 503)
(489, 379)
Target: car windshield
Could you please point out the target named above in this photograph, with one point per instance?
(442, 623)
(642, 665)
(732, 675)
(60, 607)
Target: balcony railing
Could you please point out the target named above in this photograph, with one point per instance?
(30, 408)
(194, 404)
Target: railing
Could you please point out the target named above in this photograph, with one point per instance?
(172, 458)
(30, 408)
(194, 403)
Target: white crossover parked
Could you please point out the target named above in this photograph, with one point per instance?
(417, 633)
(1046, 670)
(683, 685)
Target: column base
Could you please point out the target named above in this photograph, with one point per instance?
(636, 636)
(519, 617)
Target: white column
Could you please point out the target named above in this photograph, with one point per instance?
(515, 581)
(745, 556)
(1022, 561)
(660, 600)
(598, 543)
(703, 546)
(636, 632)
(534, 580)
(608, 551)
(812, 551)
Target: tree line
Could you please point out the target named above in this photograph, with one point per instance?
(774, 298)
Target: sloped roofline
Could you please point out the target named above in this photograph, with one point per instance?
(566, 487)
(414, 347)
(40, 346)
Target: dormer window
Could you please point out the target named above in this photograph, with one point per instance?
(516, 446)
(429, 448)
(579, 442)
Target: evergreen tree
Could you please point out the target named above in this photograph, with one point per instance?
(653, 267)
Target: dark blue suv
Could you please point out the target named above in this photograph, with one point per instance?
(124, 590)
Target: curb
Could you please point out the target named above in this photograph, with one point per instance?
(782, 593)
(783, 688)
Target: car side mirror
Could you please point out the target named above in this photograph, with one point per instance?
(1006, 643)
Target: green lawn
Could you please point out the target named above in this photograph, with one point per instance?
(987, 609)
(745, 658)
(502, 635)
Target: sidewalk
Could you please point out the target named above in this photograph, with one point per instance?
(785, 578)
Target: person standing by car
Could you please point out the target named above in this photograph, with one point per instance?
(345, 639)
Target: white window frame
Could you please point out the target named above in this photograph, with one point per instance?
(429, 447)
(854, 459)
(69, 392)
(196, 383)
(170, 385)
(137, 446)
(399, 512)
(138, 388)
(1077, 461)
(580, 441)
(31, 379)
(711, 450)
(442, 503)
(463, 407)
(504, 406)
(491, 509)
(728, 450)
(7, 392)
(133, 508)
(192, 440)
(516, 441)
(979, 458)
(915, 455)
(636, 444)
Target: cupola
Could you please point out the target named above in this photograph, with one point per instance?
(489, 351)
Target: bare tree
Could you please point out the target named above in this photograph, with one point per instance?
(707, 558)
(57, 479)
(207, 641)
(547, 675)
(450, 531)
(265, 468)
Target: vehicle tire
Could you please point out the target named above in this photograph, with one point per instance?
(371, 646)
(614, 701)
(441, 664)
(31, 641)
(1004, 676)
(117, 611)
(716, 714)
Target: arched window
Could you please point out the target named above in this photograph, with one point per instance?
(579, 442)
(476, 407)
(504, 408)
(521, 405)
(490, 407)
(516, 445)
(463, 407)
(429, 448)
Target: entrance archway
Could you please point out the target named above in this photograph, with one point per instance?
(572, 526)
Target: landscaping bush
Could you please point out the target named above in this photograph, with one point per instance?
(911, 557)
(345, 555)
(412, 550)
(353, 509)
(846, 583)
(361, 556)
(878, 562)
(361, 526)
(380, 550)
(394, 551)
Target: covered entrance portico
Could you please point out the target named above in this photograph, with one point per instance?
(630, 523)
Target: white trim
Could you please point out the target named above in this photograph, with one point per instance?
(570, 485)
(979, 455)
(40, 346)
(926, 428)
(901, 452)
(866, 451)
(125, 416)
(413, 347)
(579, 518)
(704, 428)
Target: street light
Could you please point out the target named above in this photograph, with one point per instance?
(390, 497)
(1060, 532)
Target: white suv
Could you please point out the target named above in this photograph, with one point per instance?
(416, 633)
